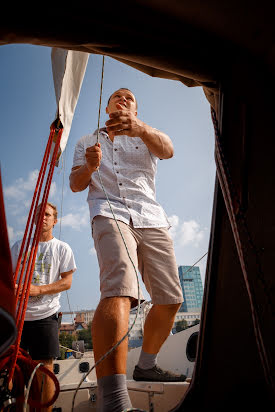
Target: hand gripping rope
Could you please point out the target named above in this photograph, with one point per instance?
(16, 360)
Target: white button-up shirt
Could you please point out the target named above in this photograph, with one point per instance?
(127, 171)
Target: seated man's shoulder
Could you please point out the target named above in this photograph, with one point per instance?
(60, 244)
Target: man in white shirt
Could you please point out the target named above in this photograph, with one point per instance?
(127, 155)
(54, 267)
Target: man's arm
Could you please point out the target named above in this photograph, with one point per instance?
(56, 287)
(157, 142)
(81, 175)
(124, 122)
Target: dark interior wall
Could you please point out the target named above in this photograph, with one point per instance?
(235, 364)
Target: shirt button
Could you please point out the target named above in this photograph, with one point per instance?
(115, 150)
(136, 147)
(117, 171)
(115, 163)
(120, 184)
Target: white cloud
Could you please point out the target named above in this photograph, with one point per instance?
(191, 233)
(186, 232)
(20, 190)
(190, 242)
(77, 220)
(53, 190)
(174, 222)
(13, 234)
(20, 187)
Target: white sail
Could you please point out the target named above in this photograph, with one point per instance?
(68, 69)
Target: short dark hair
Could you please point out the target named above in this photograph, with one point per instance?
(121, 88)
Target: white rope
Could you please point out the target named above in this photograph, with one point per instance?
(29, 386)
(184, 273)
(71, 350)
(61, 215)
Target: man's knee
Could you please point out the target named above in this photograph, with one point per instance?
(114, 309)
(170, 309)
(48, 363)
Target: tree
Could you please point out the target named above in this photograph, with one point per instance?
(65, 339)
(85, 334)
(181, 325)
(196, 322)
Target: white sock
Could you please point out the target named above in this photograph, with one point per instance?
(147, 360)
(113, 394)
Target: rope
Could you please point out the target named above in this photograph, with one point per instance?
(25, 370)
(29, 386)
(16, 354)
(127, 250)
(71, 350)
(61, 214)
(31, 256)
(184, 273)
(62, 191)
(100, 98)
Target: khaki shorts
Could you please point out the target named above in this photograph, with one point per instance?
(152, 252)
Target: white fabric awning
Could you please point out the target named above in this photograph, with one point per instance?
(68, 69)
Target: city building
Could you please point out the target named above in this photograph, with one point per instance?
(189, 317)
(192, 288)
(83, 315)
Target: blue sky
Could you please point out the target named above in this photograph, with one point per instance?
(184, 183)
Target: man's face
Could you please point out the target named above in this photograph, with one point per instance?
(48, 220)
(122, 99)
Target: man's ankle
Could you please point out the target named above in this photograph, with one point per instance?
(147, 360)
(113, 394)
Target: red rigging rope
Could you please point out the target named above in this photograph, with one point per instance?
(23, 369)
(28, 253)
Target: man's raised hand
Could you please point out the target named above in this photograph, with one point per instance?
(124, 122)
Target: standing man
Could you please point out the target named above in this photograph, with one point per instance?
(127, 155)
(54, 267)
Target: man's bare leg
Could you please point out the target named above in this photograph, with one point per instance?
(46, 383)
(110, 324)
(158, 325)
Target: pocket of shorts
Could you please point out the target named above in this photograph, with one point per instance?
(55, 316)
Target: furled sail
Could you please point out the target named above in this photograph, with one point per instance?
(68, 69)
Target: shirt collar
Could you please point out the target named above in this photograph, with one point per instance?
(103, 130)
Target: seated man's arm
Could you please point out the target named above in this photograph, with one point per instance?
(56, 287)
(81, 175)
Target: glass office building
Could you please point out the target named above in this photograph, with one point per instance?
(190, 279)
